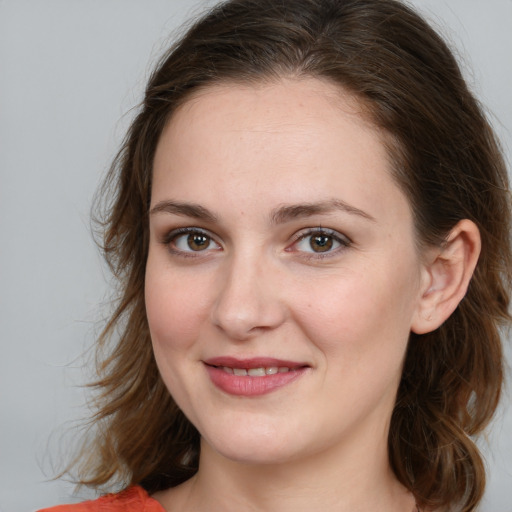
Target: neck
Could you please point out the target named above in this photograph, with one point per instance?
(342, 480)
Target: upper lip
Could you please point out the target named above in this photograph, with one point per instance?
(253, 362)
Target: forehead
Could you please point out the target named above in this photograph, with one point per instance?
(289, 141)
(300, 99)
(302, 110)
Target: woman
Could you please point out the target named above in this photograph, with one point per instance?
(310, 223)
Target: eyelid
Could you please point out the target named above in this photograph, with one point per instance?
(322, 231)
(172, 235)
(342, 239)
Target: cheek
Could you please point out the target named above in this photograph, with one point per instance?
(175, 308)
(364, 312)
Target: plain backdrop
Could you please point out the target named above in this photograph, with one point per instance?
(71, 73)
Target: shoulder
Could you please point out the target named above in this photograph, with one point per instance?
(133, 499)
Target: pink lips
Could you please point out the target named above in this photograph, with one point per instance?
(252, 377)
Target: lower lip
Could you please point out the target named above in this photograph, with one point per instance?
(251, 386)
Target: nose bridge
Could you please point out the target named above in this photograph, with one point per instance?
(247, 300)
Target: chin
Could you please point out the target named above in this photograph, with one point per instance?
(251, 448)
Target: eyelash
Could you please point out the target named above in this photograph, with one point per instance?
(169, 240)
(343, 241)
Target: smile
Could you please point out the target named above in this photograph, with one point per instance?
(255, 372)
(252, 377)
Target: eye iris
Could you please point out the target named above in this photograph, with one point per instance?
(198, 242)
(321, 243)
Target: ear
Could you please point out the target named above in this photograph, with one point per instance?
(446, 275)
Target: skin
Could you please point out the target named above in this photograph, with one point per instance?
(258, 286)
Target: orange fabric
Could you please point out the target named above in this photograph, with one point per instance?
(134, 499)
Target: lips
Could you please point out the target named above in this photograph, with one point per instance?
(252, 377)
(256, 372)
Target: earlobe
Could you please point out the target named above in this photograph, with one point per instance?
(446, 277)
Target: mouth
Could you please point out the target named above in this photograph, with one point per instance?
(252, 377)
(254, 367)
(255, 372)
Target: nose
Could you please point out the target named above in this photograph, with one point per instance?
(249, 299)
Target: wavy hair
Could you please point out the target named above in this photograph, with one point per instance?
(445, 158)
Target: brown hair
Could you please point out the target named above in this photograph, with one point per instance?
(445, 158)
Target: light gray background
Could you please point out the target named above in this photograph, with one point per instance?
(70, 72)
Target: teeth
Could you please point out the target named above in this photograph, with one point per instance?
(255, 372)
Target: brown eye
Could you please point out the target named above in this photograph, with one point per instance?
(191, 241)
(321, 243)
(198, 241)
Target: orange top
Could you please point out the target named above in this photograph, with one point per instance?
(133, 499)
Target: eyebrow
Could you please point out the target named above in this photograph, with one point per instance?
(280, 215)
(287, 213)
(184, 210)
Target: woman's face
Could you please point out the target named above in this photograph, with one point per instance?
(283, 278)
